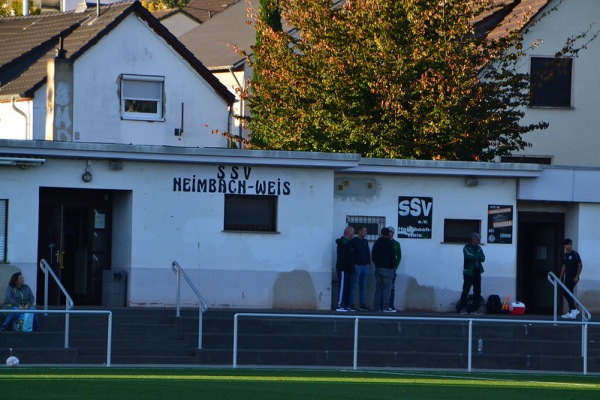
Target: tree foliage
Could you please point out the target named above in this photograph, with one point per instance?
(387, 78)
(156, 5)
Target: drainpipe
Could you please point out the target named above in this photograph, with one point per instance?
(24, 116)
(25, 8)
(241, 106)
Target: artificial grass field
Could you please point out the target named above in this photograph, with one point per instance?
(265, 384)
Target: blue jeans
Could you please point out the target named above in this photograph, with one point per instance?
(11, 317)
(359, 282)
(383, 287)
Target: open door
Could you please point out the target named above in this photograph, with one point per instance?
(74, 238)
(539, 252)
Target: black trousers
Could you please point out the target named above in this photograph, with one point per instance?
(468, 282)
(570, 284)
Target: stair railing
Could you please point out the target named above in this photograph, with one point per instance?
(45, 267)
(203, 306)
(556, 282)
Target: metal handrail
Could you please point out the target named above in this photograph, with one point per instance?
(45, 267)
(203, 306)
(67, 313)
(585, 314)
(470, 321)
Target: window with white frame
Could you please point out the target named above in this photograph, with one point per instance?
(3, 228)
(142, 97)
(551, 82)
(250, 213)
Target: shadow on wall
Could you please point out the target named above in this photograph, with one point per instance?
(294, 290)
(410, 296)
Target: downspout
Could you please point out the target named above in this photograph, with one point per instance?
(241, 106)
(24, 116)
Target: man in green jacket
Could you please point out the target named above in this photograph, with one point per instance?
(472, 270)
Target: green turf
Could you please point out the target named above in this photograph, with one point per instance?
(225, 384)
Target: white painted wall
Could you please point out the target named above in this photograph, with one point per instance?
(13, 125)
(140, 51)
(430, 274)
(573, 136)
(154, 226)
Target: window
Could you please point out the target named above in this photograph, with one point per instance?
(551, 82)
(3, 228)
(373, 224)
(459, 230)
(142, 97)
(250, 213)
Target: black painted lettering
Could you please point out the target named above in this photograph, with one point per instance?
(177, 184)
(220, 172)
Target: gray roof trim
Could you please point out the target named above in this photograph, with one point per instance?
(448, 168)
(194, 155)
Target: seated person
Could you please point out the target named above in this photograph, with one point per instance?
(18, 296)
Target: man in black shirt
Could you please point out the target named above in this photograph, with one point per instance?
(569, 274)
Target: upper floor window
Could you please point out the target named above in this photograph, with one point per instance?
(142, 97)
(3, 228)
(551, 82)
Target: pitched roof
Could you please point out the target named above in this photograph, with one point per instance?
(204, 10)
(28, 42)
(213, 41)
(508, 16)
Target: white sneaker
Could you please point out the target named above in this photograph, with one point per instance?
(341, 309)
(574, 313)
(567, 315)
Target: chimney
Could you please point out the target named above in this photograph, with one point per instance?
(59, 97)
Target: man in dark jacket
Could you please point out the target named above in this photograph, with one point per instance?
(384, 258)
(345, 267)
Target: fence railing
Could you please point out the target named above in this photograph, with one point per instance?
(45, 267)
(469, 339)
(556, 282)
(179, 272)
(67, 332)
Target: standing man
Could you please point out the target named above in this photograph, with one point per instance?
(344, 267)
(472, 270)
(362, 261)
(398, 252)
(384, 258)
(569, 274)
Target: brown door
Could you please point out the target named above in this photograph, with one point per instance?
(539, 252)
(75, 230)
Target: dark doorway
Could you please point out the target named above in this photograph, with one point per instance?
(539, 251)
(75, 238)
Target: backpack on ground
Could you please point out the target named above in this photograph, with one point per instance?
(494, 304)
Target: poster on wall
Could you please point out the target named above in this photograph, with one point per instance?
(500, 224)
(414, 217)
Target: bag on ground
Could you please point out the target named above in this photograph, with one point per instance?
(494, 304)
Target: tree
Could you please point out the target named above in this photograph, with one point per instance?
(388, 78)
(15, 8)
(155, 5)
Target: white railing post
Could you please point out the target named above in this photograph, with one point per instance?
(45, 267)
(202, 306)
(235, 340)
(355, 356)
(470, 348)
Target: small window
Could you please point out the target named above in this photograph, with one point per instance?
(250, 213)
(3, 228)
(373, 224)
(551, 82)
(459, 230)
(142, 97)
